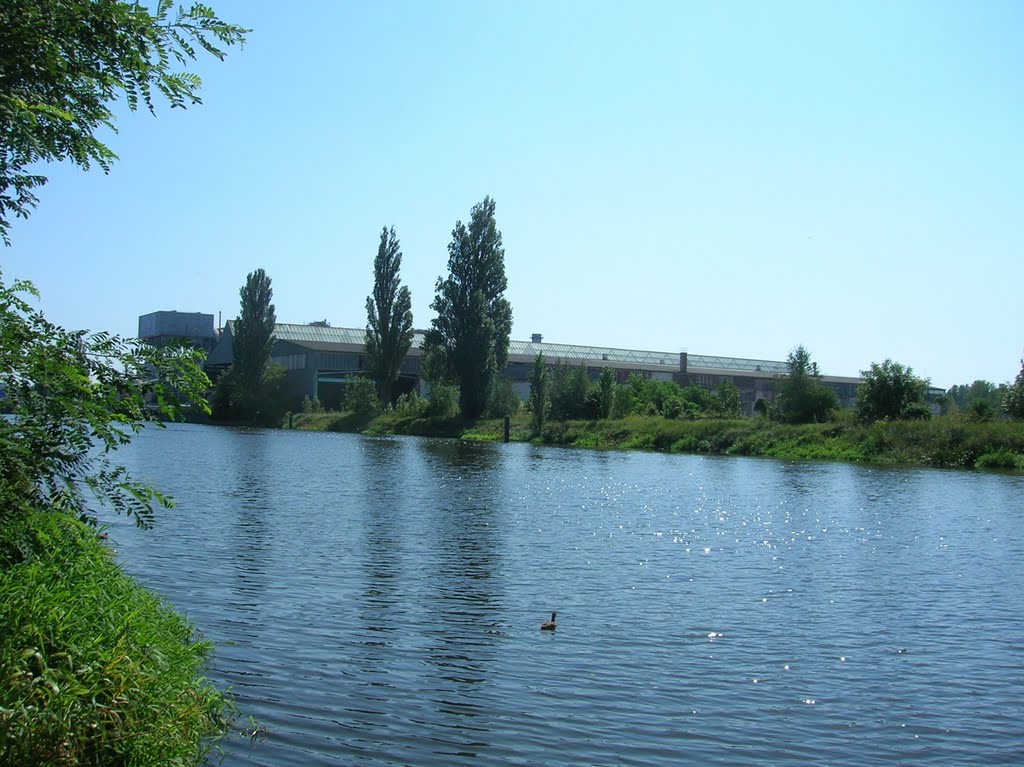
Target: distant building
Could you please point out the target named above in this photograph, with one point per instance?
(157, 328)
(318, 358)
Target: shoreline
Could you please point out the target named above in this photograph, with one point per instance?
(950, 441)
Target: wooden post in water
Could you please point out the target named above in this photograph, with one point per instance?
(289, 419)
(506, 428)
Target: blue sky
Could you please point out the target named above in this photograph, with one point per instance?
(725, 178)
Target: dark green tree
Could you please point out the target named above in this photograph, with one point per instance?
(539, 384)
(244, 391)
(801, 397)
(891, 392)
(63, 65)
(605, 392)
(623, 402)
(1013, 401)
(468, 339)
(388, 317)
(970, 397)
(570, 388)
(727, 402)
(361, 396)
(502, 399)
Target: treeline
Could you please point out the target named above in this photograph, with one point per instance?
(464, 352)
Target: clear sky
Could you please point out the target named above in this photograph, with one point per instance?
(727, 178)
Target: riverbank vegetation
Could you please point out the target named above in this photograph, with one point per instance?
(889, 424)
(951, 441)
(96, 669)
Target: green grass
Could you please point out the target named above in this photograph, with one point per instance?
(96, 669)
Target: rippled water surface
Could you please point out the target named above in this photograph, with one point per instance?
(377, 601)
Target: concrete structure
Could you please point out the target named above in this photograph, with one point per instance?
(158, 328)
(318, 358)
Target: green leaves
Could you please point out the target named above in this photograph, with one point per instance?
(63, 63)
(468, 340)
(389, 330)
(801, 397)
(1013, 401)
(246, 389)
(891, 392)
(75, 398)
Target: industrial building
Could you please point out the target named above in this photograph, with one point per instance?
(157, 328)
(318, 358)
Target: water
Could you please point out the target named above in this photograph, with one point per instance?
(377, 601)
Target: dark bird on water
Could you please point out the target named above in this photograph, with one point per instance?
(549, 625)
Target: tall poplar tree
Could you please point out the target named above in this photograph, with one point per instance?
(388, 317)
(242, 389)
(468, 339)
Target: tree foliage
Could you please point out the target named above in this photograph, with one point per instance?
(604, 392)
(361, 395)
(970, 396)
(502, 399)
(64, 63)
(1013, 401)
(75, 397)
(891, 392)
(389, 328)
(570, 388)
(801, 397)
(245, 390)
(468, 339)
(539, 393)
(727, 402)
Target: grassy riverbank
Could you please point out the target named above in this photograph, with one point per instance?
(946, 441)
(96, 669)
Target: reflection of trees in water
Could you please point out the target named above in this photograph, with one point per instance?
(247, 479)
(464, 505)
(383, 470)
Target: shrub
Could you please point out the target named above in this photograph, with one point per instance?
(410, 405)
(1000, 459)
(441, 400)
(502, 399)
(361, 396)
(311, 405)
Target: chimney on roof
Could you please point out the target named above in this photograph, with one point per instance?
(536, 338)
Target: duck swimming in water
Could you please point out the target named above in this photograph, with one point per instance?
(549, 625)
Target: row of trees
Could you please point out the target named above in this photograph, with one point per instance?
(467, 343)
(466, 346)
(890, 391)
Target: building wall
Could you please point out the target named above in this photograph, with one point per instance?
(160, 327)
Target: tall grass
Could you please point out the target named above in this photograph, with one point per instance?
(96, 669)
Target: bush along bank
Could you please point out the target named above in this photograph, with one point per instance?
(97, 670)
(945, 441)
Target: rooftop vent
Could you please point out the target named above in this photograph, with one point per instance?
(536, 338)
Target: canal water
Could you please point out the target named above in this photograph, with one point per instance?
(378, 601)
